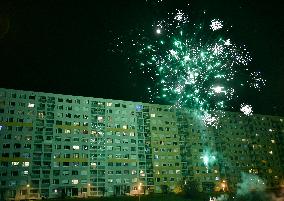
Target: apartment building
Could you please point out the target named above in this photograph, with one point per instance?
(56, 145)
(215, 157)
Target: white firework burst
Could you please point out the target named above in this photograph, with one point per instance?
(246, 109)
(216, 24)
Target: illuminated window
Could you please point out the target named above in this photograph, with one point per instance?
(75, 181)
(26, 172)
(31, 105)
(67, 131)
(100, 119)
(26, 164)
(76, 147)
(109, 104)
(15, 163)
(132, 134)
(273, 141)
(270, 152)
(76, 123)
(124, 127)
(41, 115)
(153, 115)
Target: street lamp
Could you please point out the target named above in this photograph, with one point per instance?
(139, 189)
(223, 185)
(28, 190)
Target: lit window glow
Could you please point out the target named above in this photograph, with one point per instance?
(100, 119)
(31, 105)
(76, 147)
(273, 141)
(75, 181)
(15, 163)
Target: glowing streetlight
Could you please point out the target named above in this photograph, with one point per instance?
(223, 185)
(139, 189)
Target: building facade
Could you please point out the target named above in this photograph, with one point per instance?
(55, 145)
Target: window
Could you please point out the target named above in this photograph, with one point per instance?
(84, 172)
(75, 172)
(76, 147)
(6, 146)
(68, 100)
(15, 163)
(67, 147)
(65, 181)
(26, 164)
(31, 105)
(100, 119)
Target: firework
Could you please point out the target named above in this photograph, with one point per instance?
(256, 81)
(194, 65)
(210, 120)
(216, 24)
(246, 109)
(191, 69)
(208, 159)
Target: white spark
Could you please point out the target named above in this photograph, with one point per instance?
(257, 81)
(227, 42)
(218, 89)
(158, 31)
(217, 49)
(246, 109)
(210, 120)
(216, 24)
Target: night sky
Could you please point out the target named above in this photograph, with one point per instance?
(66, 46)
